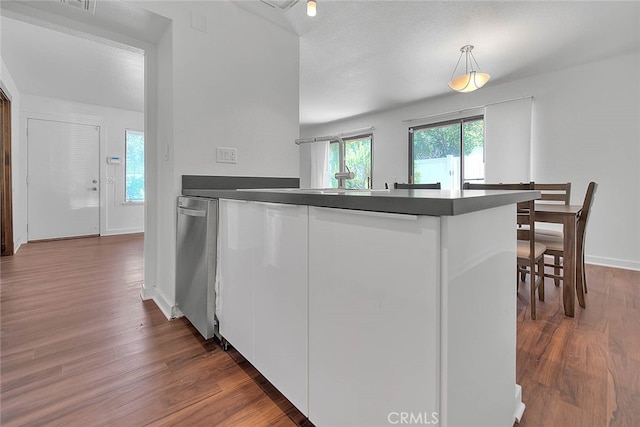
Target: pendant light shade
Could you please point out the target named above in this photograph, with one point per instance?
(311, 7)
(471, 79)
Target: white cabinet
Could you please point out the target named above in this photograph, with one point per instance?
(373, 316)
(280, 300)
(478, 323)
(264, 290)
(239, 239)
(365, 318)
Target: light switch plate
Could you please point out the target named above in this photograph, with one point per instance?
(226, 155)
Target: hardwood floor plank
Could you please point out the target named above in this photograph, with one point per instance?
(244, 404)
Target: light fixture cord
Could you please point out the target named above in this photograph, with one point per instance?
(474, 60)
(456, 67)
(466, 61)
(466, 51)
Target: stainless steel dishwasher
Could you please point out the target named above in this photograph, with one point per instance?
(196, 248)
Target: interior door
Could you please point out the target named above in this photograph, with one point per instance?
(63, 179)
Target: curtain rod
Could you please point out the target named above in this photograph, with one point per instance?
(465, 109)
(335, 137)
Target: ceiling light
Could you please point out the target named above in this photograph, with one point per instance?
(311, 7)
(471, 79)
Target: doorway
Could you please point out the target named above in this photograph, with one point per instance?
(6, 199)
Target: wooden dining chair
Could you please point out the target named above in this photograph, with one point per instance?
(431, 186)
(554, 193)
(530, 253)
(554, 243)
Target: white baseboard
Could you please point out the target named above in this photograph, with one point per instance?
(519, 406)
(151, 293)
(16, 246)
(613, 262)
(122, 231)
(17, 242)
(147, 292)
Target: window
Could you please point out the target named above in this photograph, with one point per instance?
(434, 153)
(134, 166)
(357, 158)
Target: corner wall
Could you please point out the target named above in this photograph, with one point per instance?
(226, 78)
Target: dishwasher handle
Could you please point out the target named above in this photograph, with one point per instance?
(192, 212)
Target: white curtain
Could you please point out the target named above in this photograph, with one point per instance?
(319, 152)
(508, 141)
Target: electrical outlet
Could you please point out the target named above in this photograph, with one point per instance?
(226, 155)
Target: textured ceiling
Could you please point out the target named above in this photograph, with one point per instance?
(55, 64)
(355, 56)
(362, 56)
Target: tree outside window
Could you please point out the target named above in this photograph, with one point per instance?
(435, 153)
(134, 166)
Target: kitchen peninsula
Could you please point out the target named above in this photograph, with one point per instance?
(370, 307)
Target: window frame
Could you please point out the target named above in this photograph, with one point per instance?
(128, 201)
(368, 135)
(461, 121)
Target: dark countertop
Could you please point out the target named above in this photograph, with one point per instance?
(411, 202)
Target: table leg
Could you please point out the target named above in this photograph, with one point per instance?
(569, 265)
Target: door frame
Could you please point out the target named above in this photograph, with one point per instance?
(6, 187)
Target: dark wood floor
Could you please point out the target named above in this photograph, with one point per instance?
(79, 347)
(582, 371)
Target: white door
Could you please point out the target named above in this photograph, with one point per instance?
(63, 179)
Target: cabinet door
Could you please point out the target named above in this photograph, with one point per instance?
(281, 298)
(239, 239)
(373, 317)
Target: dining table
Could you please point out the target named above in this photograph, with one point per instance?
(567, 215)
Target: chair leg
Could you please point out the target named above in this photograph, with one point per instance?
(582, 274)
(540, 285)
(532, 285)
(556, 270)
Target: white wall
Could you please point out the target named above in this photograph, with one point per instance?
(235, 84)
(585, 127)
(116, 217)
(18, 160)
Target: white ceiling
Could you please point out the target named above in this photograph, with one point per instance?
(60, 51)
(355, 56)
(59, 65)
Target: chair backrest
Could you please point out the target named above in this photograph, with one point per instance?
(554, 193)
(586, 210)
(514, 186)
(501, 186)
(526, 210)
(433, 186)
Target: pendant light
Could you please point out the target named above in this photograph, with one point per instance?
(311, 7)
(471, 79)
